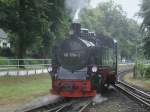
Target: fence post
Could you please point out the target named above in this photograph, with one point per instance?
(35, 71)
(7, 72)
(17, 67)
(27, 72)
(8, 67)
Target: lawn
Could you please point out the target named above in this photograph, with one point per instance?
(139, 82)
(20, 89)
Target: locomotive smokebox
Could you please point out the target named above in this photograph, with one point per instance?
(75, 29)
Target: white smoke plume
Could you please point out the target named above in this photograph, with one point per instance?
(98, 99)
(76, 16)
(75, 6)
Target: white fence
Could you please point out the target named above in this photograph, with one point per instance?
(12, 67)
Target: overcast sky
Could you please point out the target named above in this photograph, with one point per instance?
(131, 7)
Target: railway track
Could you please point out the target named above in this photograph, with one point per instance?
(75, 105)
(60, 108)
(140, 96)
(71, 107)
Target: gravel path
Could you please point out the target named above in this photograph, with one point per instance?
(116, 102)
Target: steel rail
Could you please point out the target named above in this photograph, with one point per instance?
(68, 107)
(134, 93)
(59, 108)
(136, 90)
(85, 106)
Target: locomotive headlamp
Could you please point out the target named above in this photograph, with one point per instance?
(71, 32)
(49, 69)
(94, 69)
(115, 41)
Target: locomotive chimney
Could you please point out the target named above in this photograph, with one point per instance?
(75, 29)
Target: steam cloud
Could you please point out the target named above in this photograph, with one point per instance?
(75, 6)
(98, 99)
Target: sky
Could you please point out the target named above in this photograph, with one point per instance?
(131, 7)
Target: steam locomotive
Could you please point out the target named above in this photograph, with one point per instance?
(83, 64)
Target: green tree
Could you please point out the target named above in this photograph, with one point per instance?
(33, 23)
(145, 13)
(59, 19)
(23, 18)
(110, 19)
(53, 29)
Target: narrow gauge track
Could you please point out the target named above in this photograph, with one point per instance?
(75, 105)
(138, 95)
(71, 107)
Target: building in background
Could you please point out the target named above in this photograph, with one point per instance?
(4, 42)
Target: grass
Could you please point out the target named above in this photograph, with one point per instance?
(3, 62)
(139, 82)
(20, 89)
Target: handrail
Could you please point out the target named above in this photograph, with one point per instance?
(26, 59)
(14, 68)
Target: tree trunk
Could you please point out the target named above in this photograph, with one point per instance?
(45, 55)
(20, 51)
(20, 48)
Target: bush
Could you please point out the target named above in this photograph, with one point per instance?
(6, 52)
(139, 70)
(147, 72)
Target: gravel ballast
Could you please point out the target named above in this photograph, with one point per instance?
(116, 102)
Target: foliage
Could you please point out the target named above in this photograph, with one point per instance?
(24, 18)
(27, 21)
(147, 72)
(6, 52)
(145, 13)
(109, 19)
(141, 70)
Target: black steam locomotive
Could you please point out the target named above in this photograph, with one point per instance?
(84, 63)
